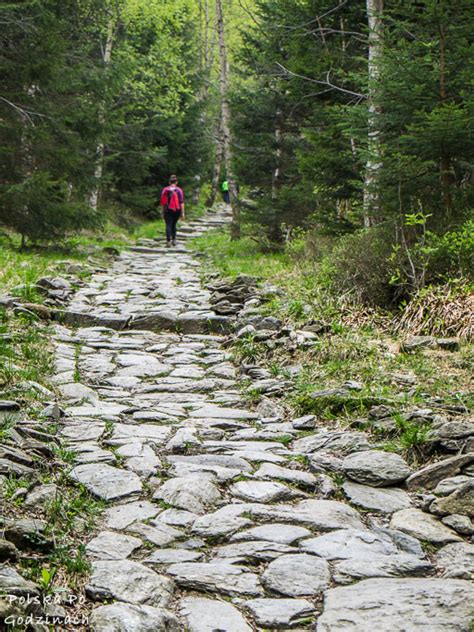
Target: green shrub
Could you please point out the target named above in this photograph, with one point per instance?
(358, 265)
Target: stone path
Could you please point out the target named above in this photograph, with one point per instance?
(215, 522)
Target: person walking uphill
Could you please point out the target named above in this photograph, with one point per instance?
(172, 201)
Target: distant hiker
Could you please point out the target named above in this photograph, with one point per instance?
(172, 201)
(225, 191)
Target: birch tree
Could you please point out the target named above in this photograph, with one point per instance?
(225, 120)
(99, 159)
(374, 162)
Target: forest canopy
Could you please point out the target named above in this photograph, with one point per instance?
(348, 125)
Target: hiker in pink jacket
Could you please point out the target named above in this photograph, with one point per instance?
(172, 201)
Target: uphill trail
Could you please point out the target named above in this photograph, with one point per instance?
(213, 521)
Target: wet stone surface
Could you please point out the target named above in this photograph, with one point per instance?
(219, 516)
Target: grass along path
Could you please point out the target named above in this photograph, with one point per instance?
(355, 345)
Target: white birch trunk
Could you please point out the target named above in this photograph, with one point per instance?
(99, 155)
(374, 148)
(225, 111)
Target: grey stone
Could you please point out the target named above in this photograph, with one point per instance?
(121, 516)
(324, 515)
(160, 534)
(297, 575)
(280, 613)
(224, 521)
(430, 475)
(418, 342)
(337, 442)
(40, 497)
(140, 458)
(449, 485)
(417, 605)
(27, 533)
(129, 581)
(73, 391)
(92, 453)
(131, 433)
(421, 525)
(377, 468)
(298, 477)
(8, 551)
(105, 481)
(211, 411)
(108, 545)
(350, 543)
(399, 565)
(456, 560)
(385, 499)
(460, 524)
(171, 556)
(282, 533)
(121, 617)
(221, 576)
(259, 491)
(268, 409)
(307, 422)
(459, 502)
(194, 493)
(253, 551)
(12, 583)
(177, 517)
(210, 615)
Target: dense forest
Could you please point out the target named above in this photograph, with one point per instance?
(345, 128)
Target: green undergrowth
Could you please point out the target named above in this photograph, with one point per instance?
(353, 344)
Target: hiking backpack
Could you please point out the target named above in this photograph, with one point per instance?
(172, 203)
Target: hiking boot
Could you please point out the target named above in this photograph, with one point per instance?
(174, 242)
(168, 244)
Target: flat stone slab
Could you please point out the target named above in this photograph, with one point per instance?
(210, 615)
(280, 613)
(129, 433)
(171, 556)
(456, 560)
(297, 575)
(336, 442)
(121, 516)
(430, 475)
(324, 515)
(211, 411)
(260, 491)
(105, 481)
(12, 583)
(159, 535)
(270, 471)
(253, 551)
(282, 533)
(382, 499)
(376, 468)
(422, 525)
(108, 545)
(129, 581)
(414, 605)
(121, 617)
(222, 576)
(193, 493)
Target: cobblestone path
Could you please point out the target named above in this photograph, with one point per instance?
(215, 522)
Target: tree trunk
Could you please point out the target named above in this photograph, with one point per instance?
(276, 179)
(445, 161)
(99, 155)
(374, 145)
(225, 111)
(217, 167)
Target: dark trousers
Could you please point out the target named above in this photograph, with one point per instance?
(171, 219)
(226, 196)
